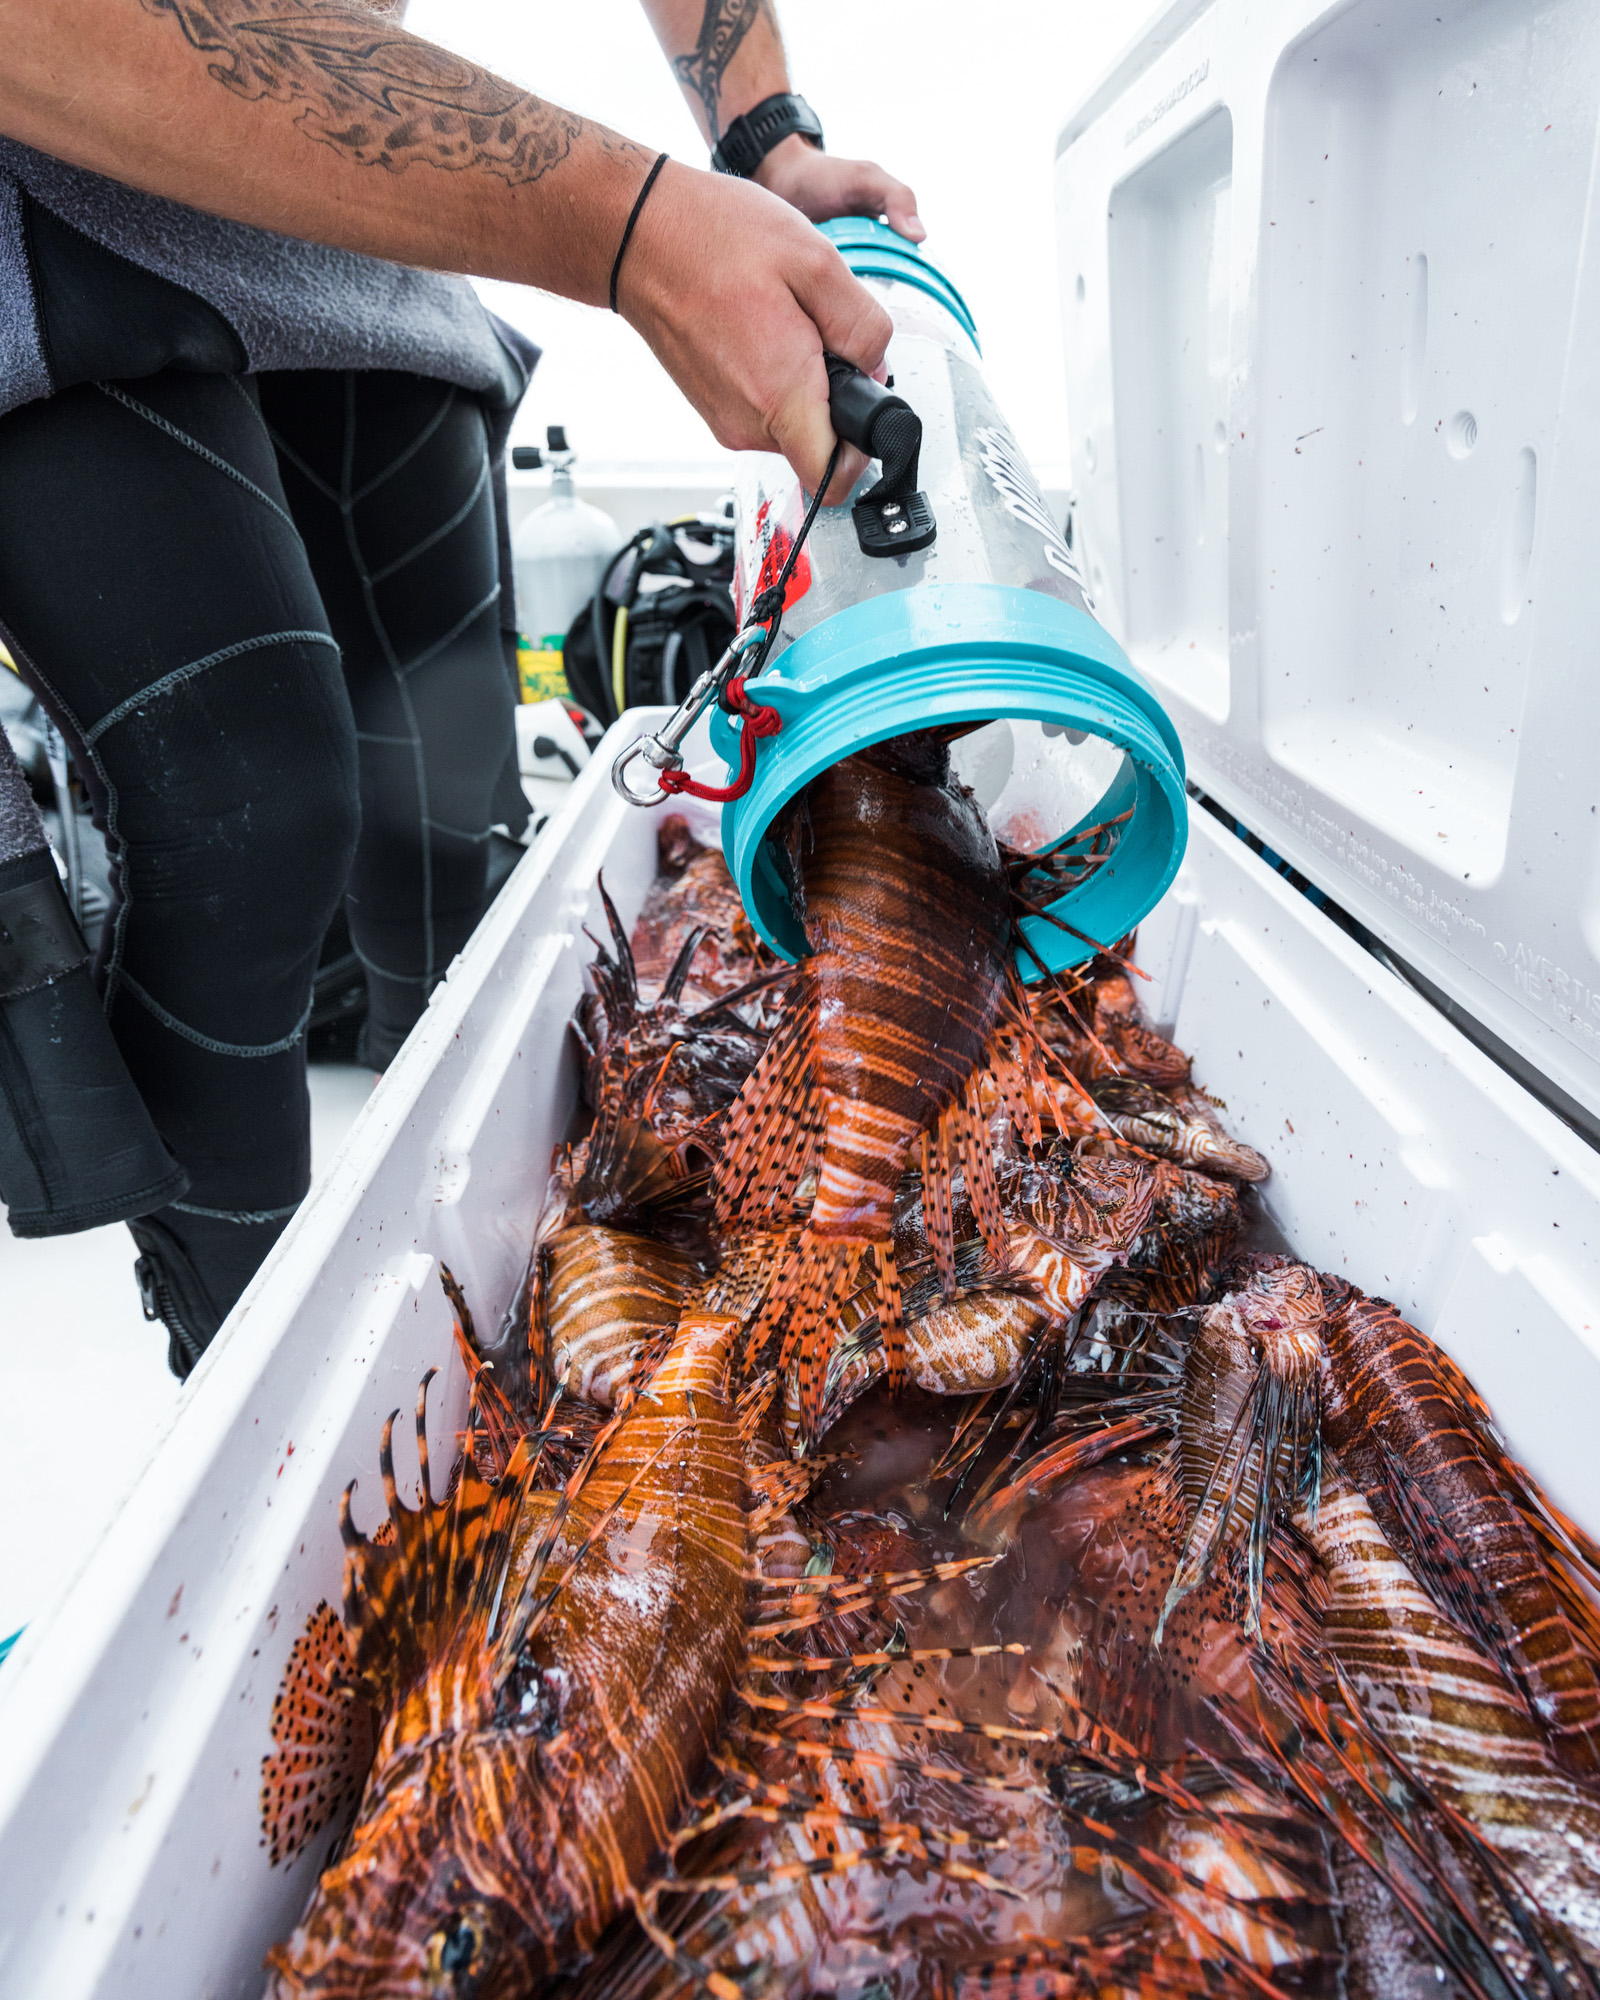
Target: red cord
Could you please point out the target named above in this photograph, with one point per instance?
(759, 721)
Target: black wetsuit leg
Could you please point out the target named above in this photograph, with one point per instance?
(388, 478)
(156, 592)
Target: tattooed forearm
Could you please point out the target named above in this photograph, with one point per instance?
(723, 27)
(382, 97)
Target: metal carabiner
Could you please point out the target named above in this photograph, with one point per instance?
(619, 781)
(661, 751)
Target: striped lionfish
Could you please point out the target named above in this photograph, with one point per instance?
(1252, 1664)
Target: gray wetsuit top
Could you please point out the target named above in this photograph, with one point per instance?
(288, 304)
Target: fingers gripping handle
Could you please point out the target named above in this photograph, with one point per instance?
(894, 519)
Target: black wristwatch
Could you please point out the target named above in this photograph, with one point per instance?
(753, 134)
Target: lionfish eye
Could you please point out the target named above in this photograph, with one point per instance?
(455, 1948)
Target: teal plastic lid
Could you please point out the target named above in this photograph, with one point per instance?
(874, 250)
(966, 652)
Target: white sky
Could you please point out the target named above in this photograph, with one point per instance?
(962, 101)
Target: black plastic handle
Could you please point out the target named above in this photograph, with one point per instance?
(878, 422)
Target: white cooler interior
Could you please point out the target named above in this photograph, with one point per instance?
(1331, 310)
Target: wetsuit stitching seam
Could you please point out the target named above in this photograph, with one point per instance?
(439, 533)
(458, 832)
(286, 450)
(249, 1050)
(383, 972)
(356, 496)
(179, 675)
(201, 451)
(397, 673)
(462, 624)
(237, 382)
(236, 1214)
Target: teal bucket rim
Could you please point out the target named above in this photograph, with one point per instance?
(889, 664)
(874, 250)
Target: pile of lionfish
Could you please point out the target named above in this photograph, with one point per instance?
(918, 1537)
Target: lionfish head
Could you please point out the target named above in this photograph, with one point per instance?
(1088, 1204)
(1280, 1295)
(1277, 1306)
(420, 1904)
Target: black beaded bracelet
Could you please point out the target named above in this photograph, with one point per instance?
(627, 234)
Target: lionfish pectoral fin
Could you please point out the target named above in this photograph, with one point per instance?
(1459, 1588)
(965, 1131)
(1060, 1463)
(322, 1735)
(405, 1594)
(817, 1274)
(776, 1487)
(742, 1280)
(891, 1315)
(1377, 1807)
(1019, 1083)
(755, 1399)
(626, 1165)
(1219, 1501)
(773, 1129)
(938, 1220)
(1289, 1429)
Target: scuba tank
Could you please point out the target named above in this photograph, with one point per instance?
(945, 597)
(558, 555)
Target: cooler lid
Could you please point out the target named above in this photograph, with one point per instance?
(1332, 318)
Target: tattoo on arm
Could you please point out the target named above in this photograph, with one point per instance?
(373, 92)
(723, 27)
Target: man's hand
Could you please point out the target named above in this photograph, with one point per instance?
(822, 186)
(738, 297)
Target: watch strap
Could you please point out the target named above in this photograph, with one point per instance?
(755, 132)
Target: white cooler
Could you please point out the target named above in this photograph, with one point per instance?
(1334, 356)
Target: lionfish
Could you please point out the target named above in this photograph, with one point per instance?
(906, 1001)
(539, 1668)
(548, 1666)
